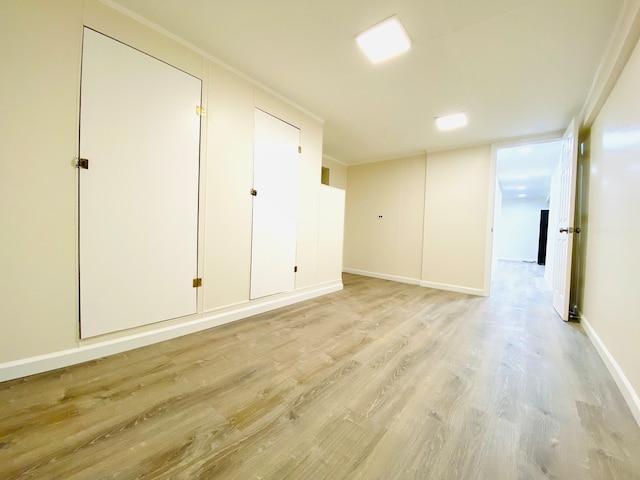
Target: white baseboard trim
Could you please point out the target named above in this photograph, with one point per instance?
(382, 276)
(523, 260)
(455, 288)
(627, 390)
(84, 353)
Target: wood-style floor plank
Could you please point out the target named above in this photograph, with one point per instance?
(380, 381)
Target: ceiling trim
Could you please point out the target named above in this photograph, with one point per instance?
(395, 157)
(495, 144)
(528, 140)
(335, 160)
(140, 19)
(624, 39)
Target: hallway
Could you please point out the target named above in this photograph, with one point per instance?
(380, 381)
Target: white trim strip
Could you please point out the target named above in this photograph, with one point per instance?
(629, 394)
(382, 276)
(84, 353)
(455, 288)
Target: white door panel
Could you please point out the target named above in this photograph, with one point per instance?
(139, 198)
(565, 202)
(275, 206)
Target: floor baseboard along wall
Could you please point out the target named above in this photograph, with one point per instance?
(383, 276)
(629, 394)
(83, 353)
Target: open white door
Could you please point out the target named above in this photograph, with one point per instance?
(566, 203)
(275, 206)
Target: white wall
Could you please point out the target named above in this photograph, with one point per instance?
(612, 271)
(497, 210)
(39, 105)
(330, 233)
(459, 186)
(384, 219)
(518, 229)
(38, 183)
(435, 221)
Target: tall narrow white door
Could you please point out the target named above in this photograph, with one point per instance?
(138, 200)
(566, 203)
(275, 206)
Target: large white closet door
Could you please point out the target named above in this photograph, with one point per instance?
(139, 197)
(275, 206)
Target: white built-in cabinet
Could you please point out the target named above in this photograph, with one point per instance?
(139, 199)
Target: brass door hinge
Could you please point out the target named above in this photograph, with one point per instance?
(197, 282)
(83, 163)
(299, 149)
(200, 111)
(295, 269)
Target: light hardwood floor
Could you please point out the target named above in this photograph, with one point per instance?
(380, 381)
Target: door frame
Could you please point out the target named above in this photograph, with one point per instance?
(493, 183)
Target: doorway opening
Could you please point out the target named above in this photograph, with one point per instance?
(523, 209)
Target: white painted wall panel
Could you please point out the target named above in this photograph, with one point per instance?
(229, 178)
(518, 229)
(612, 272)
(456, 219)
(308, 200)
(330, 234)
(40, 55)
(384, 218)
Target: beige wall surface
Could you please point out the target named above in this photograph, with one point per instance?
(228, 211)
(612, 272)
(38, 182)
(391, 245)
(38, 194)
(331, 233)
(456, 219)
(309, 201)
(337, 173)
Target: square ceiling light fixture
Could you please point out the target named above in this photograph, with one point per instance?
(384, 40)
(450, 122)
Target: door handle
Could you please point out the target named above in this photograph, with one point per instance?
(570, 230)
(564, 230)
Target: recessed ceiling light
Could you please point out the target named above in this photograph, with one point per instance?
(522, 195)
(384, 40)
(456, 120)
(526, 149)
(521, 188)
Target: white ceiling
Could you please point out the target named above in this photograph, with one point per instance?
(516, 67)
(527, 169)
